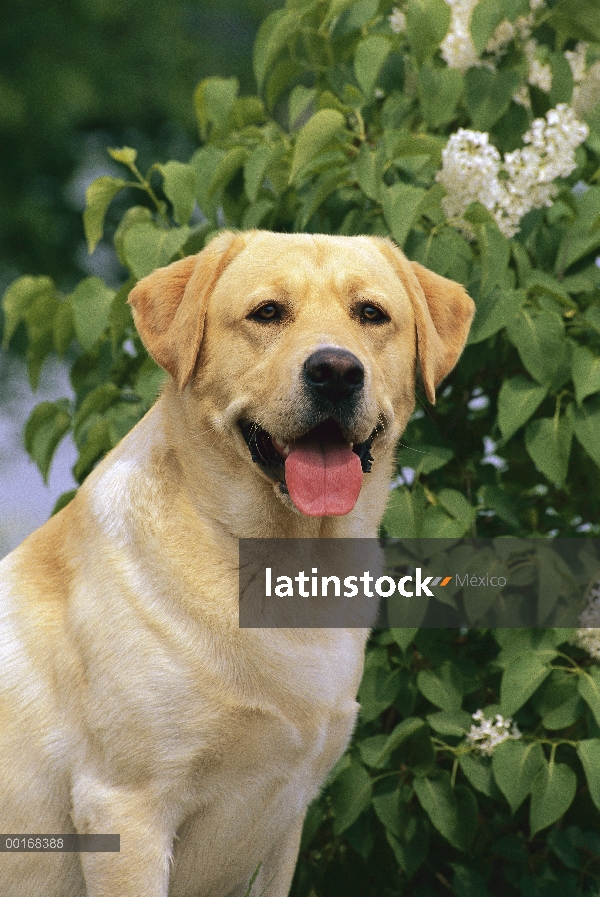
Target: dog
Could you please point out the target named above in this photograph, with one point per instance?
(131, 701)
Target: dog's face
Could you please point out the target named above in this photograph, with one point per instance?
(302, 350)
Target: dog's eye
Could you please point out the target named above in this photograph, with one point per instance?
(268, 312)
(372, 315)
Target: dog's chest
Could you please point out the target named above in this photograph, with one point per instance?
(272, 763)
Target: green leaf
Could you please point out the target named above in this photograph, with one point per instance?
(500, 500)
(404, 637)
(404, 513)
(450, 722)
(368, 169)
(96, 442)
(147, 247)
(494, 311)
(522, 677)
(98, 197)
(378, 688)
(301, 99)
(411, 851)
(47, 424)
(518, 400)
(443, 687)
(273, 35)
(318, 131)
(457, 505)
(213, 101)
(582, 236)
(316, 195)
(589, 754)
(539, 338)
(63, 500)
(91, 302)
(205, 162)
(355, 17)
(453, 812)
(562, 80)
(552, 793)
(369, 56)
(125, 155)
(437, 524)
(371, 748)
(425, 458)
(548, 443)
(255, 168)
(227, 167)
(402, 205)
(427, 22)
(404, 730)
(256, 212)
(150, 378)
(336, 8)
(587, 427)
(478, 771)
(487, 15)
(589, 689)
(578, 20)
(387, 808)
(179, 185)
(488, 94)
(440, 90)
(63, 327)
(350, 795)
(558, 701)
(21, 296)
(494, 251)
(586, 373)
(515, 763)
(95, 403)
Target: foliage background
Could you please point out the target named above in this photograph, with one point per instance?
(344, 134)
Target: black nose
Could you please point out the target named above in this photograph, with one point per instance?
(333, 373)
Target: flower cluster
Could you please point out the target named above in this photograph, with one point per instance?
(490, 733)
(589, 638)
(473, 170)
(458, 50)
(397, 21)
(540, 74)
(586, 92)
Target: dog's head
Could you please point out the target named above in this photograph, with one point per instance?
(302, 351)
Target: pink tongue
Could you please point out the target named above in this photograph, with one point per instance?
(323, 478)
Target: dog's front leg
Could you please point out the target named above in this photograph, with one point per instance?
(276, 872)
(142, 867)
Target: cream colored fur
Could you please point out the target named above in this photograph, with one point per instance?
(130, 700)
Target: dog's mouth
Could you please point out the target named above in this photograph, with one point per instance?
(321, 471)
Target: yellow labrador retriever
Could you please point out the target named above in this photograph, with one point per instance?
(131, 702)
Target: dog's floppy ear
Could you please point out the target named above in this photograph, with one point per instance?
(169, 305)
(443, 313)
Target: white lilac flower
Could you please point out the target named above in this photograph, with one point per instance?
(488, 734)
(458, 49)
(397, 21)
(576, 59)
(589, 638)
(586, 94)
(470, 168)
(502, 36)
(540, 75)
(521, 97)
(473, 171)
